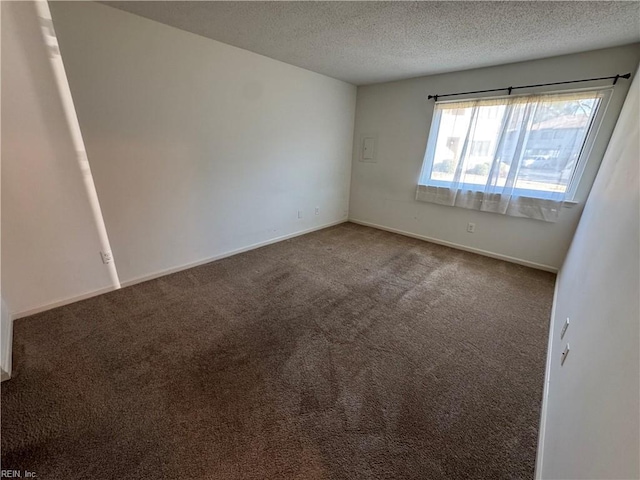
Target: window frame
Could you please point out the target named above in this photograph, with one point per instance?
(583, 157)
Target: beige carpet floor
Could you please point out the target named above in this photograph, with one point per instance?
(348, 353)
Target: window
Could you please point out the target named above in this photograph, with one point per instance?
(507, 148)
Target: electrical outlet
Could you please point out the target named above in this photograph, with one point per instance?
(299, 213)
(565, 353)
(564, 328)
(317, 210)
(107, 257)
(471, 227)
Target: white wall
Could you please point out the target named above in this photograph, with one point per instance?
(198, 148)
(50, 246)
(591, 419)
(399, 114)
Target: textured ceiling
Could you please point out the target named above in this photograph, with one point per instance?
(369, 42)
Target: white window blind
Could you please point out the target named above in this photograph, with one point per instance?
(514, 155)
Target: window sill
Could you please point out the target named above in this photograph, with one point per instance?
(519, 192)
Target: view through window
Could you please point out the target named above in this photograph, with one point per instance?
(528, 144)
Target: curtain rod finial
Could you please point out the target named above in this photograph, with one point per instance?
(626, 75)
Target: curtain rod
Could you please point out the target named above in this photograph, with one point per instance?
(615, 79)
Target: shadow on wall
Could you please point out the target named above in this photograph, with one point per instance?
(57, 65)
(53, 228)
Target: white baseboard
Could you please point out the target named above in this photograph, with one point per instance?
(545, 393)
(499, 256)
(144, 278)
(7, 345)
(230, 253)
(60, 303)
